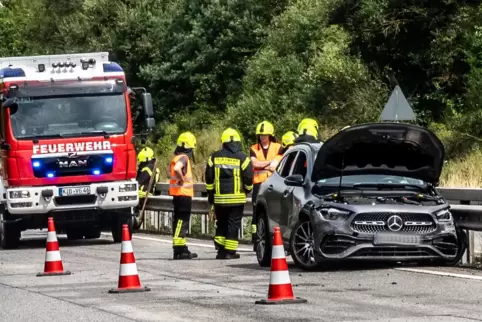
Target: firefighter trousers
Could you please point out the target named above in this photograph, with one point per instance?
(180, 223)
(228, 222)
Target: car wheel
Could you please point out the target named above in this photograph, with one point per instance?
(302, 242)
(264, 244)
(9, 233)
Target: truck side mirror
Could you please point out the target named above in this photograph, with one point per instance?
(10, 102)
(148, 110)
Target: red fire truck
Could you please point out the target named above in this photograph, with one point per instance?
(67, 146)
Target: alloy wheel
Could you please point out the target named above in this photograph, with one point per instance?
(304, 244)
(261, 242)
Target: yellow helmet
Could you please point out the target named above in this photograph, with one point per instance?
(229, 135)
(187, 139)
(288, 138)
(310, 122)
(308, 129)
(146, 154)
(265, 128)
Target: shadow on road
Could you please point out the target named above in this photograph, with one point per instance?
(32, 243)
(326, 267)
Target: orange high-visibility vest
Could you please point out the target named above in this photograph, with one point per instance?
(185, 189)
(261, 174)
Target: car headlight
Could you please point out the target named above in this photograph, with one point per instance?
(127, 187)
(443, 216)
(19, 194)
(333, 214)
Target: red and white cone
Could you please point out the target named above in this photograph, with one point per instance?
(280, 290)
(53, 261)
(128, 276)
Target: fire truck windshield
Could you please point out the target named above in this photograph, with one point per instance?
(69, 116)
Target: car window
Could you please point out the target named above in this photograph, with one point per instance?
(285, 169)
(301, 165)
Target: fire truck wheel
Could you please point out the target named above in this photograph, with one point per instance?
(119, 219)
(92, 234)
(9, 233)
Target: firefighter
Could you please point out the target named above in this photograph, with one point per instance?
(229, 177)
(287, 140)
(265, 156)
(181, 188)
(146, 160)
(308, 131)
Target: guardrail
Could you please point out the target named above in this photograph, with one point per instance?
(465, 203)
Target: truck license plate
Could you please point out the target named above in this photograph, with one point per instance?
(74, 191)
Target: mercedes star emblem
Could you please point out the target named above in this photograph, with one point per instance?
(395, 223)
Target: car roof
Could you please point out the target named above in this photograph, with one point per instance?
(314, 147)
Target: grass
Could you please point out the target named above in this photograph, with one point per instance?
(463, 172)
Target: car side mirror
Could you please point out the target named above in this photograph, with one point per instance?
(148, 110)
(295, 180)
(10, 102)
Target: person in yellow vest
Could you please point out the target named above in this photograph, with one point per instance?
(145, 169)
(265, 156)
(229, 177)
(287, 140)
(181, 188)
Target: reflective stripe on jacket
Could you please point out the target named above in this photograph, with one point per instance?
(229, 176)
(144, 176)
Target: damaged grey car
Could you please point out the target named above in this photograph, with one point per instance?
(367, 193)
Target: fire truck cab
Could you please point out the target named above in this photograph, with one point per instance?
(66, 146)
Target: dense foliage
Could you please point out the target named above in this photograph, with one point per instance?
(214, 63)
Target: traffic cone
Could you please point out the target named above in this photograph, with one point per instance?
(280, 290)
(128, 277)
(53, 261)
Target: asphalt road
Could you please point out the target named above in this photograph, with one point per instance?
(206, 289)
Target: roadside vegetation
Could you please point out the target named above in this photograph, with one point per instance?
(212, 64)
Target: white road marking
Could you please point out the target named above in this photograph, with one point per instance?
(426, 271)
(170, 242)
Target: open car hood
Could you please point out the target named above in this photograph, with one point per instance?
(381, 148)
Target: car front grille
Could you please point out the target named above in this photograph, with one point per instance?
(398, 252)
(378, 222)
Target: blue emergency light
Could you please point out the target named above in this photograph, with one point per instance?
(50, 175)
(11, 72)
(96, 172)
(112, 68)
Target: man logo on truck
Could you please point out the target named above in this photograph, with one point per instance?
(72, 164)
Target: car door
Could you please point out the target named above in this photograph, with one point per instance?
(276, 186)
(291, 197)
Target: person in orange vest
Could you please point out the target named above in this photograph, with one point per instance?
(181, 188)
(265, 156)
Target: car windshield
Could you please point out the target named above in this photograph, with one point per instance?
(79, 115)
(371, 179)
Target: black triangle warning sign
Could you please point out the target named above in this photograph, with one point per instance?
(397, 108)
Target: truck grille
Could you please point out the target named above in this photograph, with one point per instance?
(377, 222)
(76, 200)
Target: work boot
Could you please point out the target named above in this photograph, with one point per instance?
(185, 254)
(231, 255)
